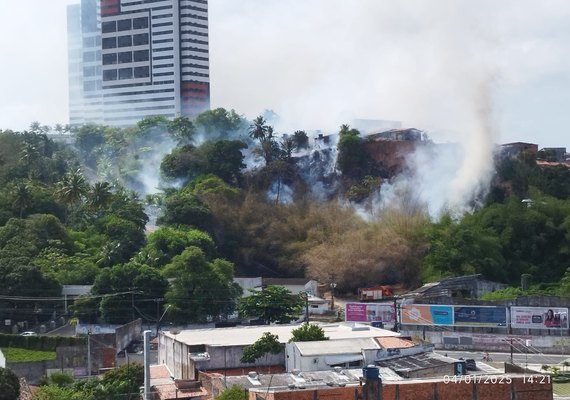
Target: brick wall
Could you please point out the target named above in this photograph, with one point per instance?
(498, 387)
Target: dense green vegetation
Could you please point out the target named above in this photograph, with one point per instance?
(120, 383)
(14, 354)
(9, 385)
(308, 333)
(160, 217)
(267, 344)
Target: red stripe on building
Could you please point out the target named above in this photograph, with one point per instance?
(109, 7)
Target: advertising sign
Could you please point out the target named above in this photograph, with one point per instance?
(480, 316)
(426, 314)
(539, 317)
(370, 312)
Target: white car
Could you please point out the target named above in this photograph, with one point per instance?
(28, 334)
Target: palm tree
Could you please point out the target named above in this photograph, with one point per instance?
(30, 156)
(35, 127)
(72, 188)
(288, 146)
(301, 139)
(258, 130)
(100, 195)
(23, 197)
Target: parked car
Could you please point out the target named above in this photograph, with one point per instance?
(28, 333)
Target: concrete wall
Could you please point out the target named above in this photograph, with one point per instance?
(440, 370)
(491, 342)
(33, 371)
(517, 388)
(127, 333)
(176, 356)
(222, 357)
(67, 358)
(83, 329)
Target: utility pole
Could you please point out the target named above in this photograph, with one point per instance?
(306, 307)
(158, 317)
(332, 286)
(147, 394)
(132, 304)
(89, 353)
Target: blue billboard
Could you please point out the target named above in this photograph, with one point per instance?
(426, 314)
(480, 316)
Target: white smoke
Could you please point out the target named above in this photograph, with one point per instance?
(435, 65)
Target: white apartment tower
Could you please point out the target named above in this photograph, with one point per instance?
(84, 63)
(151, 59)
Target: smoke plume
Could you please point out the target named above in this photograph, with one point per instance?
(434, 65)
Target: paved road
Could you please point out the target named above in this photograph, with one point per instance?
(518, 358)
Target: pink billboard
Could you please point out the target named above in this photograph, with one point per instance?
(370, 312)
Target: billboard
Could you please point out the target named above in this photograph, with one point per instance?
(370, 312)
(426, 314)
(480, 316)
(539, 317)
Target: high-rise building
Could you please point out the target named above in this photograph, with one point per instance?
(151, 58)
(84, 63)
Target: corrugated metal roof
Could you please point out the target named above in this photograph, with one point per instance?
(246, 335)
(347, 346)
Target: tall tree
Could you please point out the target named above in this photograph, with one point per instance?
(265, 345)
(258, 130)
(72, 188)
(22, 197)
(272, 304)
(100, 195)
(301, 139)
(200, 289)
(181, 129)
(308, 333)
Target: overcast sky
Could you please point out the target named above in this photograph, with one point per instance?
(433, 64)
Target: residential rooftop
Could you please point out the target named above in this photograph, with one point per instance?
(246, 335)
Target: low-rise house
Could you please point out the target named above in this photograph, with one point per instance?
(189, 351)
(467, 286)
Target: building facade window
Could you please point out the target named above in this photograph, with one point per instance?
(124, 25)
(110, 75)
(125, 73)
(141, 55)
(142, 72)
(109, 59)
(140, 23)
(125, 41)
(140, 39)
(125, 57)
(108, 27)
(109, 43)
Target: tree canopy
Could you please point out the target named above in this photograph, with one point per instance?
(308, 333)
(272, 304)
(265, 345)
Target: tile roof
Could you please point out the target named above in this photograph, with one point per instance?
(394, 342)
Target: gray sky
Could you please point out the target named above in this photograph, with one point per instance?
(441, 65)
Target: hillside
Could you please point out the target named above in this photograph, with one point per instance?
(127, 210)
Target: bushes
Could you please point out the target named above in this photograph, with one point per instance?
(40, 342)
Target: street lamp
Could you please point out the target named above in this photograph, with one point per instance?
(158, 320)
